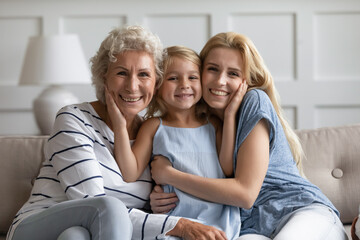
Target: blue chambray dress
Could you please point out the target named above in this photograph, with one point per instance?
(193, 150)
(283, 190)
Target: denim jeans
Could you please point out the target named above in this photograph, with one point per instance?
(91, 218)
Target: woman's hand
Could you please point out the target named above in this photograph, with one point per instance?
(161, 169)
(161, 202)
(236, 100)
(116, 117)
(189, 230)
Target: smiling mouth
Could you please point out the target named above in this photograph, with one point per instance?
(218, 92)
(183, 95)
(130, 99)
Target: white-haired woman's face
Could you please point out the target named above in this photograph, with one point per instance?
(132, 80)
(221, 77)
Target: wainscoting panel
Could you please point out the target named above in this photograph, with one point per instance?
(312, 48)
(15, 32)
(91, 37)
(275, 41)
(187, 30)
(336, 37)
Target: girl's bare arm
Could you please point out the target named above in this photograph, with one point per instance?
(241, 190)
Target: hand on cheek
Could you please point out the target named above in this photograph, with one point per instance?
(116, 117)
(236, 99)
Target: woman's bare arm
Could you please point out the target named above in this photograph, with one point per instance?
(242, 190)
(228, 130)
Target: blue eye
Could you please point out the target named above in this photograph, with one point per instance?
(171, 78)
(144, 74)
(214, 69)
(233, 74)
(193, 77)
(122, 73)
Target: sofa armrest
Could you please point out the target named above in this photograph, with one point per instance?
(20, 159)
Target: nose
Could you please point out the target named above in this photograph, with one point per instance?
(184, 84)
(222, 78)
(132, 83)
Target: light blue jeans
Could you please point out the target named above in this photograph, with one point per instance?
(92, 218)
(314, 222)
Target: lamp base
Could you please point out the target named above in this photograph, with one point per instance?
(48, 103)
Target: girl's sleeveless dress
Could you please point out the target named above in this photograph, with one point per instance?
(193, 150)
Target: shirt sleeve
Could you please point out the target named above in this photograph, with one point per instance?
(70, 150)
(147, 226)
(256, 105)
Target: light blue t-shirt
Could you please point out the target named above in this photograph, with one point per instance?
(193, 150)
(283, 189)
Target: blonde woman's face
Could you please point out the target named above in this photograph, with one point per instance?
(132, 81)
(221, 77)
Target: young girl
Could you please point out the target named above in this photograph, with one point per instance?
(185, 135)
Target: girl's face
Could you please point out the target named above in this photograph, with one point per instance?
(131, 79)
(181, 88)
(221, 77)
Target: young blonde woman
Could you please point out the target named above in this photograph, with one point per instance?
(276, 201)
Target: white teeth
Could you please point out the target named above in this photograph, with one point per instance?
(130, 99)
(220, 93)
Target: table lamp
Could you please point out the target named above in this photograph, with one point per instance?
(53, 61)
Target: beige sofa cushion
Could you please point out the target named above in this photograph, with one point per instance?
(333, 164)
(26, 155)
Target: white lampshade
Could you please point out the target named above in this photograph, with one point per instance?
(53, 61)
(57, 59)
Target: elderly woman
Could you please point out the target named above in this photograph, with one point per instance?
(80, 192)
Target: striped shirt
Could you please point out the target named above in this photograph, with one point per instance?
(79, 163)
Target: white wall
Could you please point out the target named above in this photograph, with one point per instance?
(312, 48)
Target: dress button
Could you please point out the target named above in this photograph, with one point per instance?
(337, 173)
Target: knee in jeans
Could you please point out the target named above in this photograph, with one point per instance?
(112, 207)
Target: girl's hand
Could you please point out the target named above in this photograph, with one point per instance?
(161, 169)
(116, 117)
(236, 100)
(161, 202)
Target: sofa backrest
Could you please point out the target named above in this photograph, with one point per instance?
(20, 161)
(333, 164)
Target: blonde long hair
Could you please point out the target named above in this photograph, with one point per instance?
(257, 76)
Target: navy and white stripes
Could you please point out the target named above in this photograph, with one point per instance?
(79, 164)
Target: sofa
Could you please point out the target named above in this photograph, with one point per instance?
(332, 163)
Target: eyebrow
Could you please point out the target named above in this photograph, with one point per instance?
(121, 67)
(140, 70)
(177, 72)
(231, 68)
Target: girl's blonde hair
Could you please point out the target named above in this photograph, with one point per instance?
(157, 106)
(257, 76)
(129, 38)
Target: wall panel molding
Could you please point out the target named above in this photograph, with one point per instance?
(312, 48)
